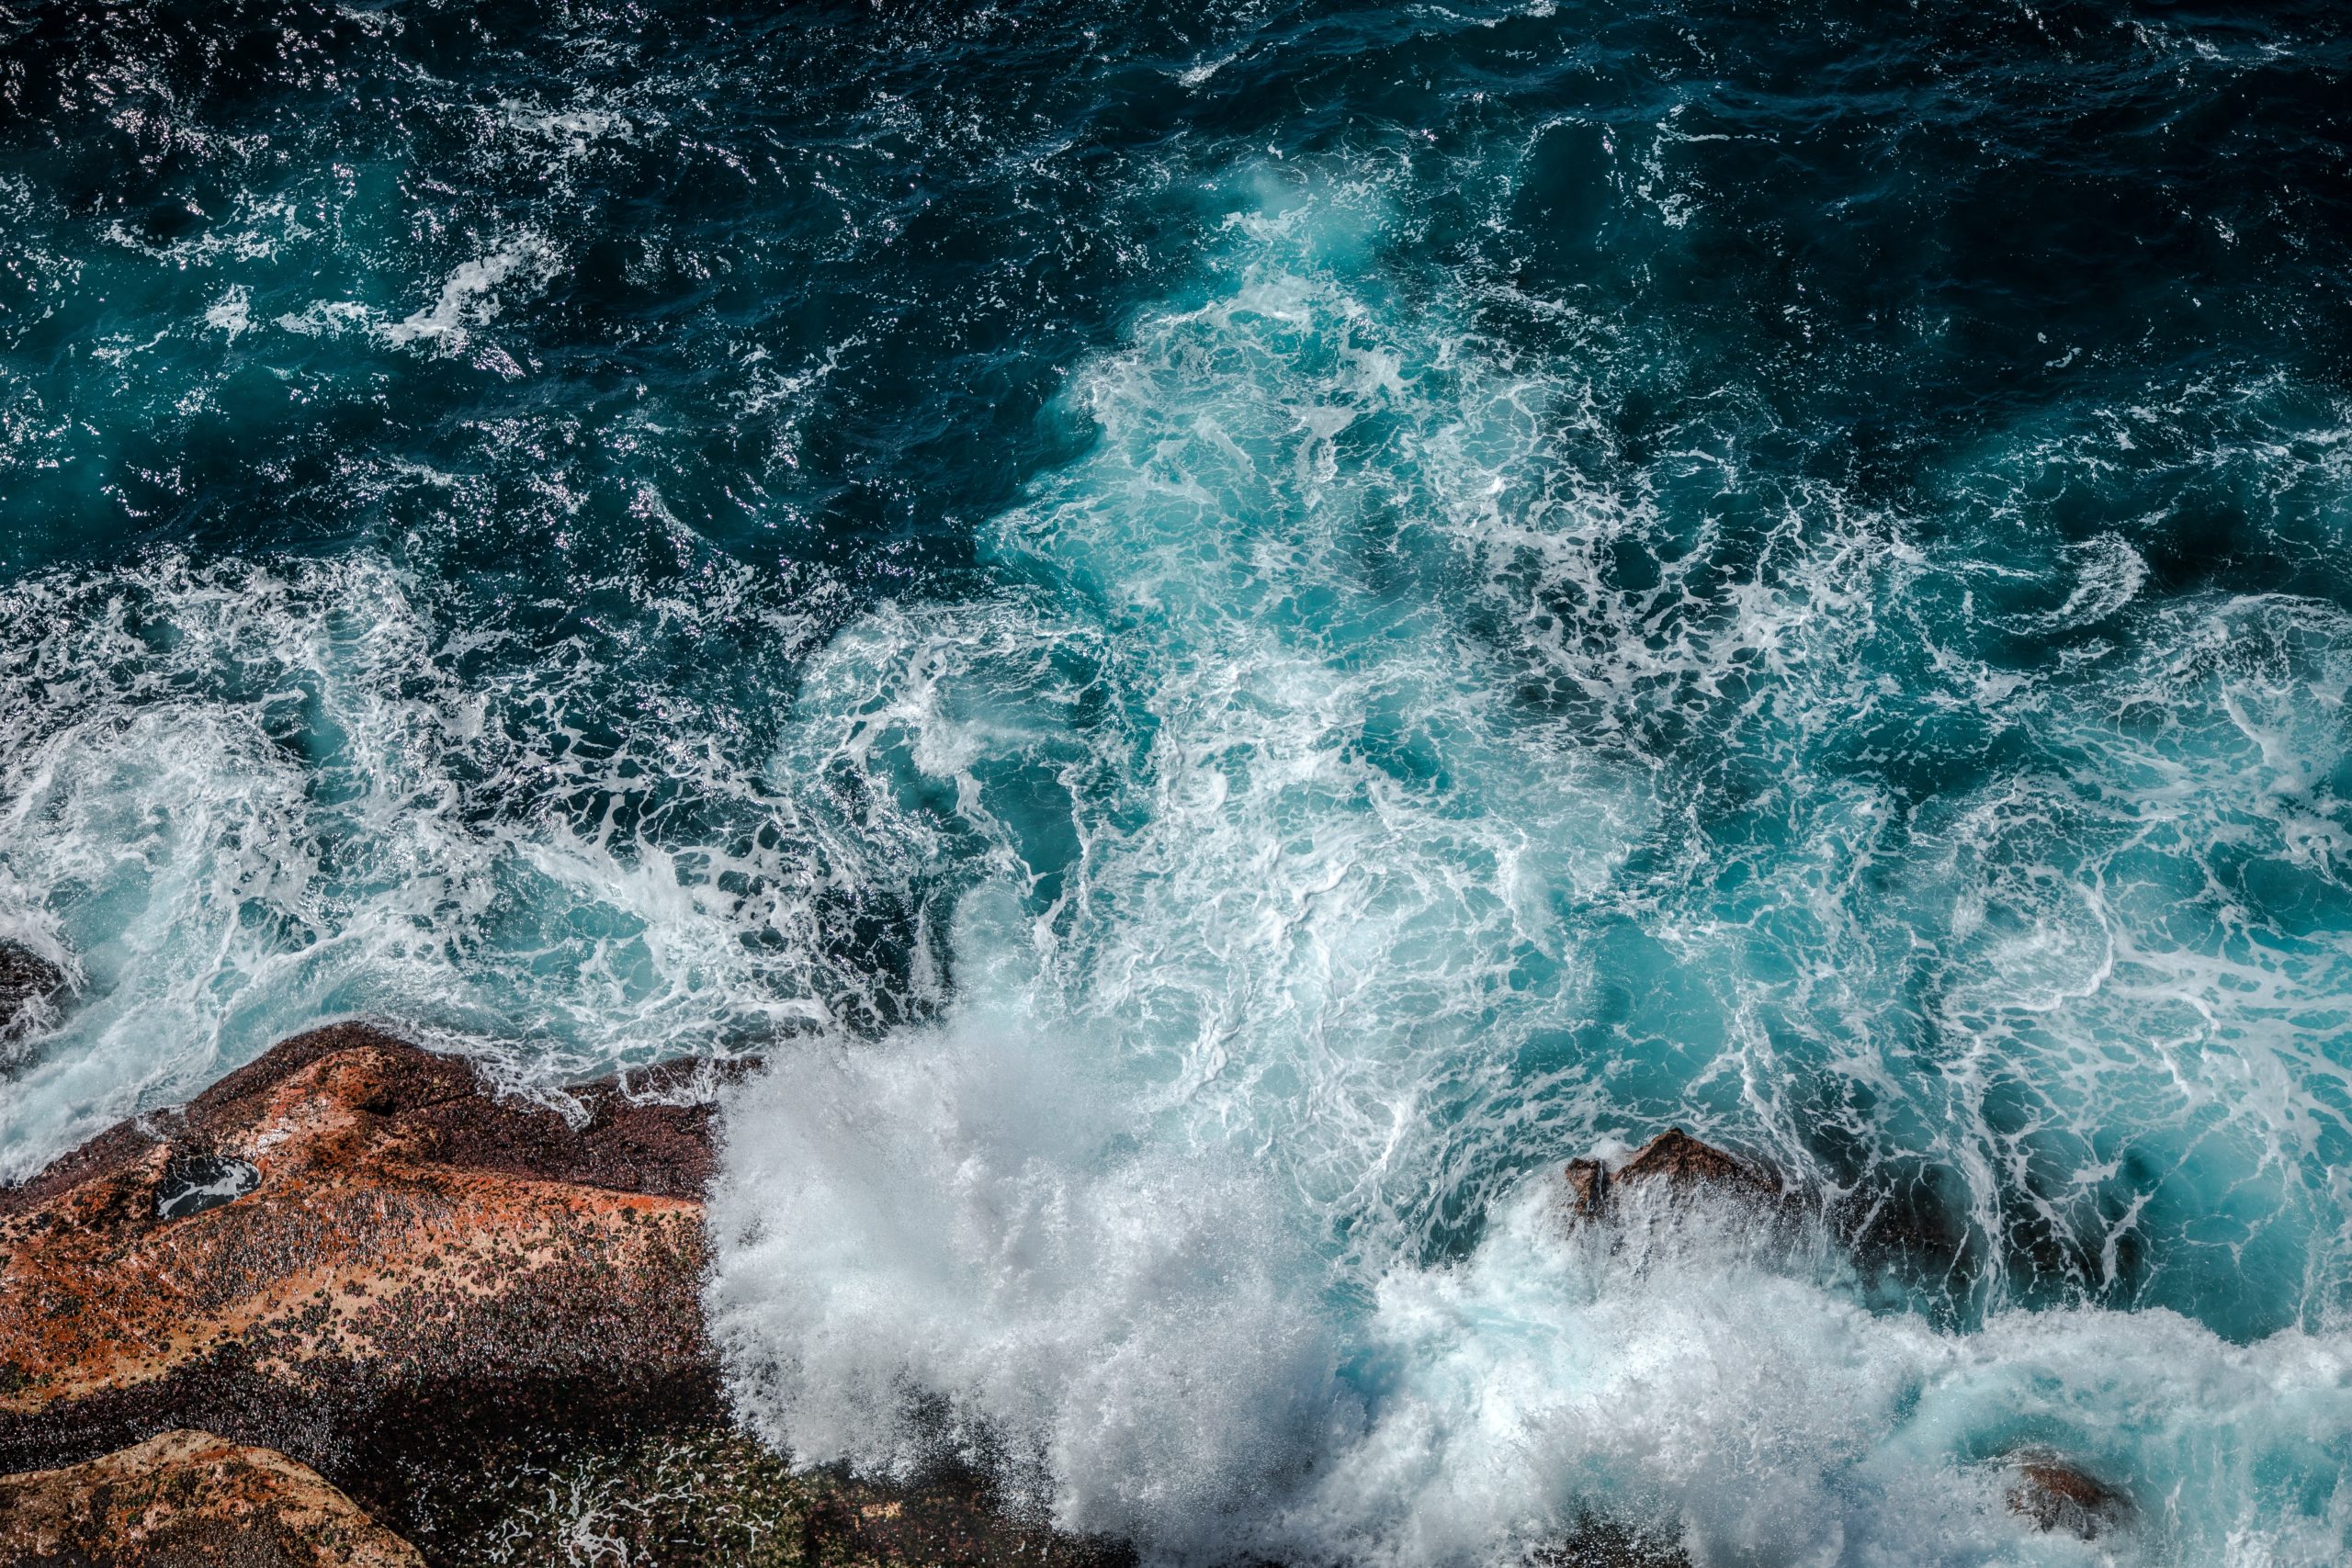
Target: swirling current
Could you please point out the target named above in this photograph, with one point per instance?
(1226, 630)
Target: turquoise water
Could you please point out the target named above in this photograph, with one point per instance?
(1226, 634)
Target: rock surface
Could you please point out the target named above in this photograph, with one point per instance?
(2055, 1495)
(479, 1320)
(387, 1271)
(28, 985)
(406, 1230)
(1674, 1159)
(189, 1499)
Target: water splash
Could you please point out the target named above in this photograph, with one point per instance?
(1387, 838)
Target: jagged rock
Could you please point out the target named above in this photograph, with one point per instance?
(28, 983)
(1675, 1158)
(1682, 1161)
(189, 1499)
(1587, 1185)
(330, 1240)
(2055, 1495)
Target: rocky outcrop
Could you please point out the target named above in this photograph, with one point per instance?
(1673, 1159)
(351, 1251)
(189, 1499)
(347, 1218)
(476, 1317)
(2057, 1496)
(29, 985)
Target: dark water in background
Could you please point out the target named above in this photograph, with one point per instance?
(1230, 628)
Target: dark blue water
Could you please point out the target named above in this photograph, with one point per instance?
(1227, 631)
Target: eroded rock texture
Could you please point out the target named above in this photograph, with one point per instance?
(392, 1267)
(189, 1499)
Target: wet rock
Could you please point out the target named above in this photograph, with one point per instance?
(2057, 1496)
(189, 1499)
(1599, 1542)
(1674, 1159)
(400, 1241)
(200, 1182)
(29, 985)
(713, 1497)
(479, 1319)
(1587, 1185)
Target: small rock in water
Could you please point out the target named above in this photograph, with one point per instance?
(1683, 1161)
(2057, 1495)
(1675, 1158)
(27, 981)
(197, 1182)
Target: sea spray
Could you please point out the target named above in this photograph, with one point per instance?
(1261, 807)
(1358, 600)
(248, 798)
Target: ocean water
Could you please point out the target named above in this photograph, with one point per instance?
(1225, 631)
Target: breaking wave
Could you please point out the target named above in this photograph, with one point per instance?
(1224, 633)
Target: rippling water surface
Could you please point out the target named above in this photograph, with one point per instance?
(1226, 630)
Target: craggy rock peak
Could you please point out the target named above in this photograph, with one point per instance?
(189, 1500)
(339, 1231)
(28, 983)
(1675, 1158)
(2055, 1495)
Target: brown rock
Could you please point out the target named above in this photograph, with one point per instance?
(2055, 1495)
(189, 1499)
(1674, 1158)
(479, 1320)
(1587, 1185)
(405, 1234)
(1683, 1162)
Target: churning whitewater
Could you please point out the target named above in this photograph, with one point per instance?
(1224, 633)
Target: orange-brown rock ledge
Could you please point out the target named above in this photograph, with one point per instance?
(420, 1269)
(190, 1500)
(478, 1320)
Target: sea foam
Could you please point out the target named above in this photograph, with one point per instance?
(1336, 835)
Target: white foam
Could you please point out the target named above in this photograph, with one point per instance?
(519, 266)
(1730, 1397)
(1277, 912)
(231, 313)
(961, 1216)
(248, 800)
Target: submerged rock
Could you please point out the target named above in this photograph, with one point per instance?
(29, 984)
(1674, 1159)
(2055, 1495)
(1587, 1185)
(189, 1499)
